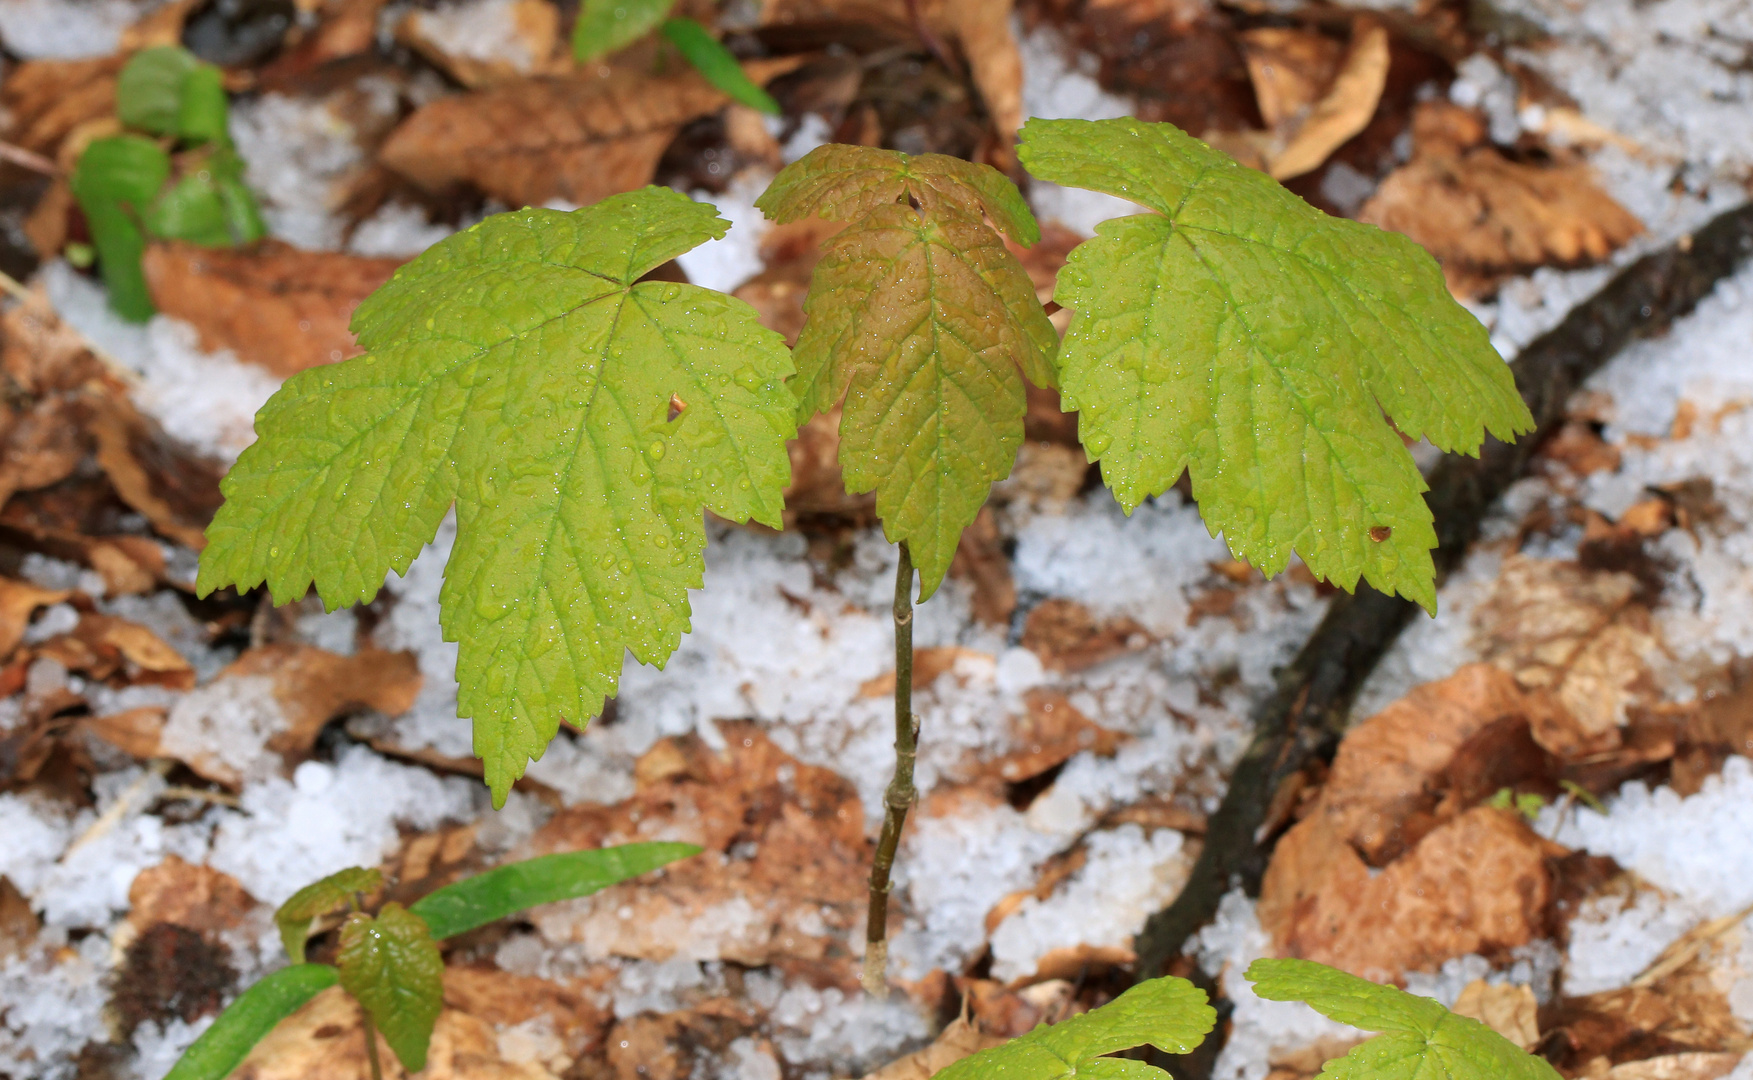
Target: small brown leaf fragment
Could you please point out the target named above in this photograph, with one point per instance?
(135, 732)
(1507, 1008)
(530, 141)
(677, 407)
(18, 923)
(1290, 68)
(1343, 111)
(980, 560)
(1050, 732)
(1069, 637)
(139, 655)
(273, 305)
(1379, 533)
(1485, 217)
(196, 897)
(314, 686)
(18, 601)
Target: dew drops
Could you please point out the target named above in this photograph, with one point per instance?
(656, 448)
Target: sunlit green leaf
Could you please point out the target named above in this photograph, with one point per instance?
(1421, 1040)
(115, 183)
(1241, 335)
(579, 419)
(605, 26)
(1170, 1014)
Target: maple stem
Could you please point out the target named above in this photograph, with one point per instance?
(901, 793)
(371, 1045)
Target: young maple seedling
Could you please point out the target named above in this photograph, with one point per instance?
(580, 419)
(173, 176)
(389, 961)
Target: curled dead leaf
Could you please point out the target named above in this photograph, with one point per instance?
(19, 600)
(1069, 637)
(523, 39)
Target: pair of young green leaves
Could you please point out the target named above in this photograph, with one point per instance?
(1420, 1039)
(131, 188)
(389, 962)
(606, 26)
(580, 419)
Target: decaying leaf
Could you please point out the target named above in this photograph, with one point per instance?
(1455, 877)
(1584, 636)
(45, 100)
(19, 600)
(531, 141)
(271, 304)
(1313, 95)
(193, 896)
(1506, 1008)
(1070, 637)
(1484, 216)
(782, 877)
(952, 1044)
(1050, 732)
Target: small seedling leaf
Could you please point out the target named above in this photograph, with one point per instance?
(115, 183)
(149, 89)
(391, 965)
(605, 26)
(521, 370)
(920, 318)
(203, 110)
(317, 899)
(716, 64)
(1421, 1039)
(513, 887)
(1244, 336)
(1170, 1014)
(245, 1021)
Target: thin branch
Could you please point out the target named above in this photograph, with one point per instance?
(901, 793)
(371, 1044)
(28, 159)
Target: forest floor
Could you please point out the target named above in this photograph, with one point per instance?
(1543, 815)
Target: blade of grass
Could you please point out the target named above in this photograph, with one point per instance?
(715, 62)
(245, 1021)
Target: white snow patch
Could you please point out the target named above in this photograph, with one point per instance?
(725, 263)
(58, 30)
(1059, 83)
(1127, 877)
(51, 1005)
(207, 400)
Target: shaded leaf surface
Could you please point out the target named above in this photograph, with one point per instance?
(1170, 1014)
(319, 898)
(607, 25)
(1422, 1039)
(518, 370)
(392, 967)
(507, 889)
(919, 318)
(1242, 335)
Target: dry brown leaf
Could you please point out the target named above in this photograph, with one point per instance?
(1069, 637)
(981, 562)
(44, 100)
(1507, 1008)
(929, 665)
(1582, 636)
(531, 48)
(530, 141)
(1693, 1065)
(953, 1043)
(134, 652)
(314, 686)
(175, 492)
(325, 1039)
(41, 446)
(19, 600)
(1290, 68)
(817, 487)
(1477, 884)
(18, 923)
(781, 879)
(197, 897)
(1343, 111)
(273, 305)
(1050, 732)
(1485, 217)
(135, 732)
(1045, 478)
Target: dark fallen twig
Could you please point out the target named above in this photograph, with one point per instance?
(1304, 718)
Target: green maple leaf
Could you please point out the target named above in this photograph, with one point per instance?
(1422, 1040)
(579, 419)
(1170, 1014)
(1244, 336)
(319, 898)
(393, 968)
(920, 318)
